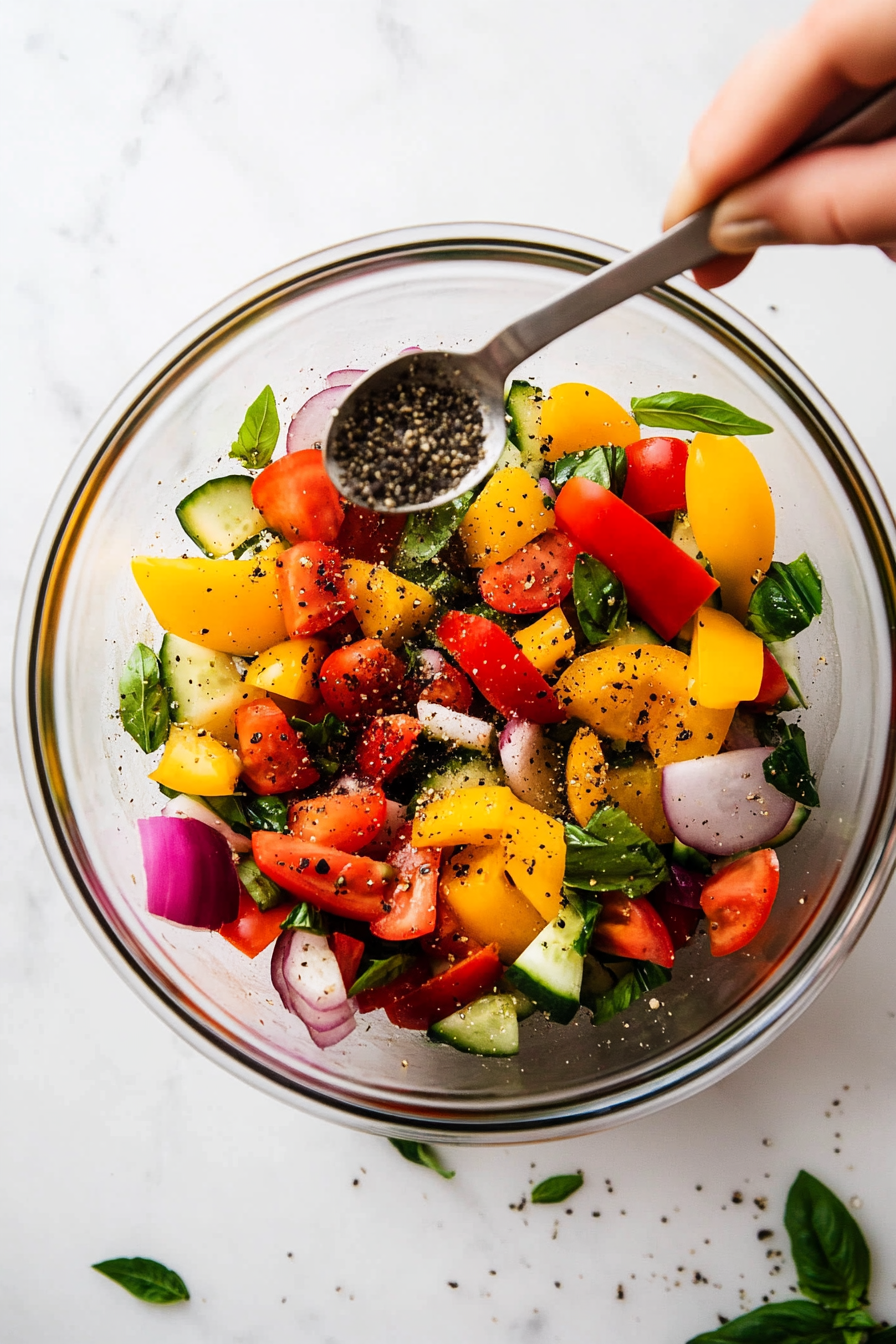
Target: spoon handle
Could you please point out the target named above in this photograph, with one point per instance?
(683, 247)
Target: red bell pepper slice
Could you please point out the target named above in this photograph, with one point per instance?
(738, 900)
(369, 536)
(387, 996)
(500, 670)
(632, 929)
(654, 482)
(298, 499)
(312, 588)
(536, 578)
(274, 757)
(361, 680)
(413, 898)
(774, 685)
(341, 884)
(385, 744)
(444, 994)
(348, 952)
(253, 930)
(663, 584)
(346, 821)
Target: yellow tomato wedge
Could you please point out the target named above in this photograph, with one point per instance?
(726, 660)
(548, 642)
(731, 514)
(231, 605)
(505, 515)
(388, 608)
(489, 907)
(290, 668)
(577, 416)
(193, 762)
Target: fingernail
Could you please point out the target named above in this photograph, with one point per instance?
(744, 235)
(681, 197)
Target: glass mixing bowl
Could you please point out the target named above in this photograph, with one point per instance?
(454, 286)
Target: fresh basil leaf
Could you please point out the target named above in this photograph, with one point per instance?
(143, 702)
(887, 1336)
(383, 972)
(611, 853)
(650, 976)
(608, 466)
(254, 445)
(146, 1279)
(500, 618)
(832, 1260)
(693, 410)
(265, 893)
(769, 729)
(786, 601)
(306, 916)
(169, 793)
(778, 1323)
(615, 1000)
(426, 533)
(422, 1154)
(555, 1189)
(601, 605)
(444, 585)
(268, 813)
(787, 768)
(590, 911)
(857, 1319)
(326, 742)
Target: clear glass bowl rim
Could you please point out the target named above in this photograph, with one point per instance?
(701, 1067)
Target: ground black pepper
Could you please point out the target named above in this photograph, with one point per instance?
(412, 441)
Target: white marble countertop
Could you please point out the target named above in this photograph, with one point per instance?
(156, 157)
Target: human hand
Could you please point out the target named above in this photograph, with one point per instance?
(845, 195)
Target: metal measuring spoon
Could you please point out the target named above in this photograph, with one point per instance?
(481, 376)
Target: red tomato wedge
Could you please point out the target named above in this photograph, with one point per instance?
(312, 589)
(253, 930)
(346, 821)
(774, 685)
(632, 929)
(369, 536)
(663, 584)
(298, 499)
(654, 482)
(341, 884)
(444, 994)
(448, 687)
(737, 901)
(348, 952)
(274, 757)
(361, 680)
(498, 668)
(387, 996)
(385, 745)
(448, 939)
(413, 898)
(536, 578)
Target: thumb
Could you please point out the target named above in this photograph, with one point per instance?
(845, 195)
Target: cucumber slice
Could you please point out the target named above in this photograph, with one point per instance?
(523, 1006)
(550, 969)
(634, 632)
(205, 688)
(220, 515)
(488, 1026)
(466, 769)
(801, 815)
(524, 424)
(787, 658)
(682, 535)
(510, 457)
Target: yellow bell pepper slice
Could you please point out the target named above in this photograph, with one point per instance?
(471, 816)
(577, 416)
(290, 669)
(726, 660)
(640, 691)
(231, 605)
(388, 608)
(505, 515)
(489, 907)
(732, 515)
(535, 856)
(586, 775)
(548, 642)
(637, 789)
(193, 762)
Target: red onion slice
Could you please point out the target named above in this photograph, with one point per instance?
(532, 765)
(685, 887)
(190, 877)
(324, 1039)
(186, 806)
(308, 427)
(306, 975)
(546, 488)
(450, 726)
(344, 377)
(723, 804)
(431, 663)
